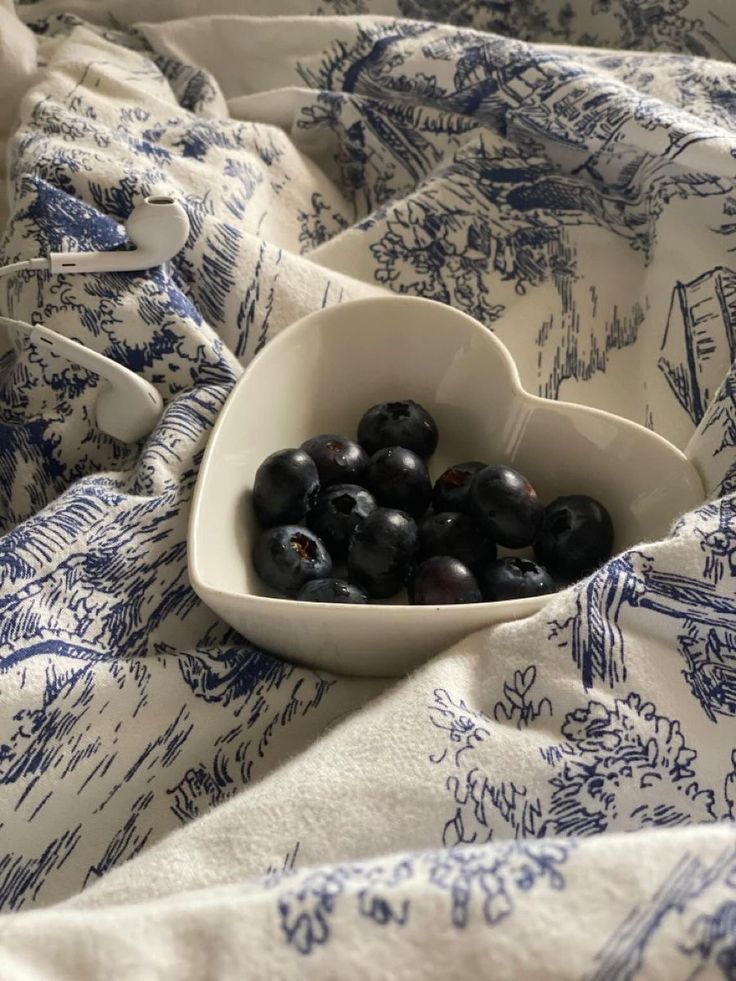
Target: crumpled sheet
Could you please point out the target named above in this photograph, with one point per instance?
(551, 798)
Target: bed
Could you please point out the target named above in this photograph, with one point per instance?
(549, 798)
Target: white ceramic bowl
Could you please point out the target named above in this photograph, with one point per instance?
(319, 376)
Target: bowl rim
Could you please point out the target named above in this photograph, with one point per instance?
(519, 606)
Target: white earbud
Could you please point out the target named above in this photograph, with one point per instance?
(158, 227)
(127, 408)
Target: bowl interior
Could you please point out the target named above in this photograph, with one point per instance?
(322, 374)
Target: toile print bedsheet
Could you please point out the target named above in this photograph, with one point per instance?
(550, 798)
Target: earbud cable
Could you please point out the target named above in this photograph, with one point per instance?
(15, 267)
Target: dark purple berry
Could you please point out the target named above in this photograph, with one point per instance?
(457, 535)
(339, 460)
(331, 591)
(441, 580)
(288, 556)
(451, 489)
(506, 506)
(337, 513)
(512, 578)
(404, 423)
(575, 536)
(382, 551)
(285, 487)
(398, 478)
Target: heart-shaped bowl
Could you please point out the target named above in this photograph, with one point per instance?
(319, 376)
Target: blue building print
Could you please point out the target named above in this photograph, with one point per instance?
(703, 610)
(699, 342)
(690, 919)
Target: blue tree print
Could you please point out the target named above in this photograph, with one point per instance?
(615, 768)
(489, 884)
(623, 767)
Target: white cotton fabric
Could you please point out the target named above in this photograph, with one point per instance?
(552, 798)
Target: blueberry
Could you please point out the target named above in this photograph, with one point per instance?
(331, 591)
(506, 505)
(575, 537)
(397, 478)
(287, 556)
(337, 513)
(451, 489)
(339, 460)
(450, 533)
(285, 487)
(513, 578)
(382, 550)
(442, 580)
(405, 424)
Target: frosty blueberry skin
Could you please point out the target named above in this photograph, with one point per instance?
(339, 460)
(506, 506)
(514, 578)
(337, 512)
(285, 487)
(442, 580)
(451, 489)
(457, 535)
(332, 591)
(404, 423)
(381, 552)
(288, 556)
(398, 478)
(575, 536)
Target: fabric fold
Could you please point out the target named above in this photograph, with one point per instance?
(551, 798)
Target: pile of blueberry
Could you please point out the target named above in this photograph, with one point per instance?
(370, 506)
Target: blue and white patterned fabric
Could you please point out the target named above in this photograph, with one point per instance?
(551, 798)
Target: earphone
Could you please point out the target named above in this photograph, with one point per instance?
(158, 227)
(127, 407)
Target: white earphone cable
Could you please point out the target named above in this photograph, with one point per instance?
(14, 267)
